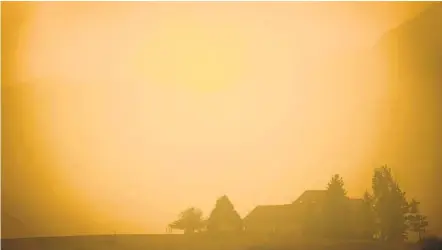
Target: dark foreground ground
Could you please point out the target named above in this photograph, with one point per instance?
(195, 242)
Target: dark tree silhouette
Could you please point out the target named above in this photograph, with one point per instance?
(190, 220)
(416, 221)
(369, 217)
(390, 205)
(335, 210)
(224, 217)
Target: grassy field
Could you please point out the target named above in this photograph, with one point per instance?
(184, 242)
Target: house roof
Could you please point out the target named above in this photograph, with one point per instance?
(276, 213)
(280, 213)
(311, 196)
(269, 214)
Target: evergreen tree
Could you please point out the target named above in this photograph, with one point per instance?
(390, 205)
(416, 221)
(224, 217)
(369, 217)
(335, 210)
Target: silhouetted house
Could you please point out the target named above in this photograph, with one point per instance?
(356, 218)
(311, 197)
(309, 204)
(269, 219)
(287, 218)
(300, 217)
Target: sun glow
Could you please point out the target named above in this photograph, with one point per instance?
(161, 106)
(197, 54)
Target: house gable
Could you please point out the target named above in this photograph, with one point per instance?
(311, 196)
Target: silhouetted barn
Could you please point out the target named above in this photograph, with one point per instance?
(270, 219)
(300, 217)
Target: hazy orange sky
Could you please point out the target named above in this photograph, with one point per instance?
(144, 109)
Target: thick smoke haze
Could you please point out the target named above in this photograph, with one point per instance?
(116, 116)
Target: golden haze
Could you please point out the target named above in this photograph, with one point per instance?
(116, 116)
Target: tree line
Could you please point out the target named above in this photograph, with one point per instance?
(223, 217)
(385, 213)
